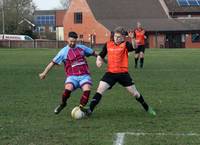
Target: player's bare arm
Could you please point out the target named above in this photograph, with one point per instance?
(46, 70)
(99, 61)
(132, 36)
(133, 42)
(101, 57)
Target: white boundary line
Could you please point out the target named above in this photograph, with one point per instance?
(119, 139)
(121, 135)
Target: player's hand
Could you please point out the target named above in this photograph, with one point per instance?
(42, 76)
(99, 61)
(131, 35)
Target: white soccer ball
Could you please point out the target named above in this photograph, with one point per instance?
(77, 113)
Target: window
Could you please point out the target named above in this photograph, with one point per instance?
(41, 29)
(188, 3)
(78, 18)
(45, 20)
(52, 29)
(196, 37)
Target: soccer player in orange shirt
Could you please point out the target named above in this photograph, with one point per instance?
(140, 37)
(117, 70)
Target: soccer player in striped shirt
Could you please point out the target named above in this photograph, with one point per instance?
(76, 69)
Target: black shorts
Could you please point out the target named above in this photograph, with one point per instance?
(140, 48)
(123, 79)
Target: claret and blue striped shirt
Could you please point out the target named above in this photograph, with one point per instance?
(74, 59)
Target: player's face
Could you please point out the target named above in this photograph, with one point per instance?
(72, 42)
(118, 38)
(139, 25)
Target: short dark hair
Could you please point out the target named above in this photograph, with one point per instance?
(73, 35)
(112, 35)
(121, 30)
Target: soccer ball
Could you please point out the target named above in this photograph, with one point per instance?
(77, 113)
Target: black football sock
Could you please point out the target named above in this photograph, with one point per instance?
(95, 100)
(65, 96)
(141, 62)
(143, 103)
(136, 62)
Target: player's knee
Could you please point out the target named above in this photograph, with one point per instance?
(100, 90)
(136, 94)
(69, 86)
(86, 87)
(141, 55)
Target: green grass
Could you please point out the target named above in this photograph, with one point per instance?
(170, 82)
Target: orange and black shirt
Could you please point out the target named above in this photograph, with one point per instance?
(117, 56)
(139, 36)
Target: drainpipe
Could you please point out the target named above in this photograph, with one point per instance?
(156, 39)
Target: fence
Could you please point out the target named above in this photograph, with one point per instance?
(39, 44)
(32, 44)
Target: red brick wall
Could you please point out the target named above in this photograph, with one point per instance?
(89, 25)
(190, 44)
(59, 17)
(160, 40)
(151, 41)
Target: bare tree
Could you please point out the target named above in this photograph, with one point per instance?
(15, 11)
(65, 3)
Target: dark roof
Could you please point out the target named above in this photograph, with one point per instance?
(106, 9)
(113, 13)
(44, 12)
(155, 24)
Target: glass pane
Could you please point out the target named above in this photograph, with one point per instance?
(43, 22)
(196, 37)
(51, 17)
(43, 17)
(193, 2)
(183, 3)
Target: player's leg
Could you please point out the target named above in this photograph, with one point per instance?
(132, 89)
(106, 83)
(85, 95)
(136, 57)
(65, 97)
(85, 83)
(126, 81)
(70, 85)
(141, 56)
(103, 86)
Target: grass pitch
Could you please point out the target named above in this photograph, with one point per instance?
(169, 81)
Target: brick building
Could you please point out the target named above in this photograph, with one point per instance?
(49, 24)
(168, 23)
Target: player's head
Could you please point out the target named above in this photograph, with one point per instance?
(72, 38)
(139, 25)
(119, 35)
